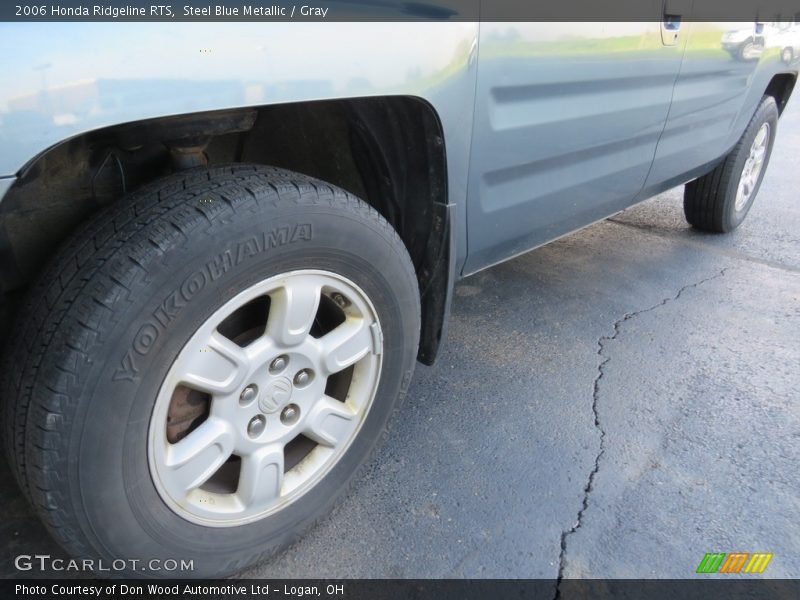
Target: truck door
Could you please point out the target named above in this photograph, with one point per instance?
(715, 96)
(567, 119)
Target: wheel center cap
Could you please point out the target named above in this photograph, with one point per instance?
(276, 395)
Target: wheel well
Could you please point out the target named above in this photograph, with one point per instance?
(780, 88)
(387, 150)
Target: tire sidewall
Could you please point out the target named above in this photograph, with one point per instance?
(128, 517)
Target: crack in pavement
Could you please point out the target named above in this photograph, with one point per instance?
(604, 360)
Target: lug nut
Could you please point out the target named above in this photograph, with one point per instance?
(256, 426)
(290, 414)
(278, 364)
(248, 394)
(303, 377)
(340, 300)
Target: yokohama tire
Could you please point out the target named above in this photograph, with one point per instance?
(104, 326)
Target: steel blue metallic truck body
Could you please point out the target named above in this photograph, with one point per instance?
(547, 127)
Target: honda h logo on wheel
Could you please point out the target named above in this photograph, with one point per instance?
(276, 395)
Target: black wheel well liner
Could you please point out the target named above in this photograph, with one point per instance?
(780, 87)
(388, 150)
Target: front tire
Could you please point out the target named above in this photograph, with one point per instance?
(748, 51)
(195, 332)
(720, 200)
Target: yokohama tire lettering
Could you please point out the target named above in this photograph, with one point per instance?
(148, 334)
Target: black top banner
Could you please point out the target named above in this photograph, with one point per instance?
(402, 10)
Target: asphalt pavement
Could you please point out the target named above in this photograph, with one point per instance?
(615, 404)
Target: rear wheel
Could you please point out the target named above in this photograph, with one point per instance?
(720, 200)
(750, 50)
(219, 356)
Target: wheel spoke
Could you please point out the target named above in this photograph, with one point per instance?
(347, 344)
(261, 476)
(218, 367)
(329, 422)
(292, 311)
(762, 134)
(199, 455)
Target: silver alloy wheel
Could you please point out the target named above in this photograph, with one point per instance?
(232, 465)
(752, 167)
